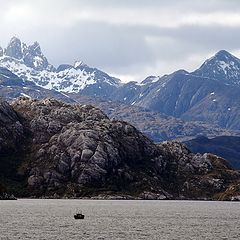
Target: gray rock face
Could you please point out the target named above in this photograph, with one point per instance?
(11, 130)
(77, 151)
(14, 49)
(79, 144)
(34, 58)
(30, 55)
(1, 52)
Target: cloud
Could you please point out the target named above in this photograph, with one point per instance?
(130, 39)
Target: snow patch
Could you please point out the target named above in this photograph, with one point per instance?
(25, 95)
(68, 81)
(78, 63)
(37, 61)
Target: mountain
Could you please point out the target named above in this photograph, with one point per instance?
(209, 94)
(12, 87)
(227, 147)
(155, 125)
(29, 63)
(53, 149)
(223, 67)
(31, 56)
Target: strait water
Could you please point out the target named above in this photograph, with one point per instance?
(53, 219)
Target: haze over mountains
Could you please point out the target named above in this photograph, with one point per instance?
(208, 96)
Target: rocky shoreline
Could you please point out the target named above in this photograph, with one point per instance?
(6, 196)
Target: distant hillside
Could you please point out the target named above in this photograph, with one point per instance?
(157, 126)
(210, 94)
(225, 146)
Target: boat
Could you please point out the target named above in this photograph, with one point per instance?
(79, 216)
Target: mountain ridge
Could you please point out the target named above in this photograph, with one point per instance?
(29, 63)
(187, 95)
(77, 151)
(209, 94)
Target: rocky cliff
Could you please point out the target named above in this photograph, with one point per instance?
(50, 148)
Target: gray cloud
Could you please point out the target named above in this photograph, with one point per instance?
(130, 39)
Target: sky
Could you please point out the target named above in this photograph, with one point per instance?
(129, 39)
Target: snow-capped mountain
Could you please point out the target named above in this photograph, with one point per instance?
(31, 55)
(210, 94)
(223, 67)
(29, 63)
(12, 87)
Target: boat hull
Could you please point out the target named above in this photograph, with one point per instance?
(79, 216)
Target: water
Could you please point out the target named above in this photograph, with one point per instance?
(53, 219)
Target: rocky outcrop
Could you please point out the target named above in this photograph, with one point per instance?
(194, 175)
(77, 151)
(78, 147)
(228, 147)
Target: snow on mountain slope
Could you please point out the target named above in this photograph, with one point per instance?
(29, 63)
(12, 87)
(223, 67)
(209, 94)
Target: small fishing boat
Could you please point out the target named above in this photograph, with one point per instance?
(79, 216)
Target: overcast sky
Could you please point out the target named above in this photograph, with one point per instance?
(130, 39)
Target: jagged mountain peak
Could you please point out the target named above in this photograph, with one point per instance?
(223, 67)
(79, 64)
(29, 63)
(30, 55)
(14, 48)
(14, 41)
(34, 58)
(35, 47)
